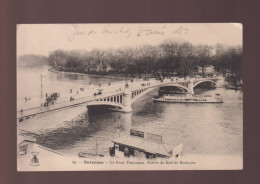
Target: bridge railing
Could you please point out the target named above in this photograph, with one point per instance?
(116, 88)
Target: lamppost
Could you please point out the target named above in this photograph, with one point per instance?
(41, 85)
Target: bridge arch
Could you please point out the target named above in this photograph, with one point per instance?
(186, 89)
(105, 104)
(204, 81)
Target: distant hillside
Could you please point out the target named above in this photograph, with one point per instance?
(32, 61)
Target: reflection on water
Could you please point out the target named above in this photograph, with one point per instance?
(29, 82)
(203, 128)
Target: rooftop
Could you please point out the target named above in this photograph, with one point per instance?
(145, 145)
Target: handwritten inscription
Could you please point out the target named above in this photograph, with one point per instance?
(77, 32)
(126, 31)
(181, 30)
(146, 31)
(123, 30)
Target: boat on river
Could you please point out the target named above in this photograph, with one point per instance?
(140, 144)
(89, 155)
(189, 98)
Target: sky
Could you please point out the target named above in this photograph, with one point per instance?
(42, 39)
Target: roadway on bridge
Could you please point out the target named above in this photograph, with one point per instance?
(34, 107)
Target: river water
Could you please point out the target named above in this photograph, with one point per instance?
(204, 129)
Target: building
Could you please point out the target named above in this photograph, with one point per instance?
(209, 69)
(141, 144)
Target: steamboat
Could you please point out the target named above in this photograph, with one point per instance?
(189, 98)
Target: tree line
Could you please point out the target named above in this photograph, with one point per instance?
(166, 59)
(32, 60)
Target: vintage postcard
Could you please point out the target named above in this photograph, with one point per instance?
(129, 97)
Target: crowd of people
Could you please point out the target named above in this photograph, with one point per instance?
(50, 99)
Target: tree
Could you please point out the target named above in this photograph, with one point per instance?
(202, 53)
(229, 62)
(168, 57)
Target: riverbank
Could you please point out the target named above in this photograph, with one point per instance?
(92, 75)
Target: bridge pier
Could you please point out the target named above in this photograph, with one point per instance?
(126, 102)
(190, 86)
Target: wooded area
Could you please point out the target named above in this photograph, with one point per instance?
(167, 59)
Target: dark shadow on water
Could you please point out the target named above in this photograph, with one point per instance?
(88, 125)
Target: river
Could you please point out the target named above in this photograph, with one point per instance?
(204, 129)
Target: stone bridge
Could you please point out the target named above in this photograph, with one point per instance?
(123, 100)
(117, 97)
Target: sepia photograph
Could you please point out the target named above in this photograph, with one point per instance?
(143, 96)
